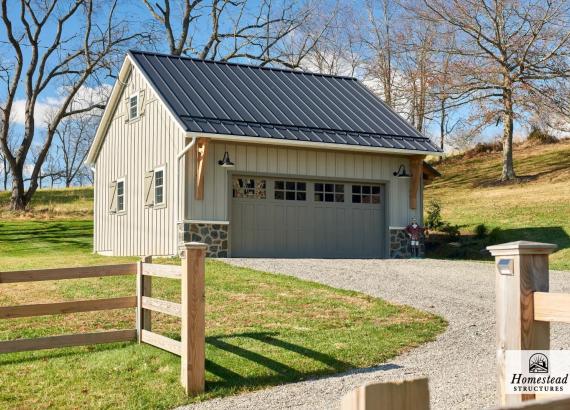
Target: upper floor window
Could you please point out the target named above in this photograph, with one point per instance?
(133, 106)
(159, 186)
(121, 195)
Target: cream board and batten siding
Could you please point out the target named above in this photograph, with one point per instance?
(129, 150)
(310, 163)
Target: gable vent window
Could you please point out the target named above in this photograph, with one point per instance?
(133, 106)
(365, 194)
(249, 188)
(291, 190)
(329, 192)
(155, 188)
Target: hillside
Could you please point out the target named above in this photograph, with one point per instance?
(53, 204)
(537, 209)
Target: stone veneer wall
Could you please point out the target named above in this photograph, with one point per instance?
(400, 244)
(213, 235)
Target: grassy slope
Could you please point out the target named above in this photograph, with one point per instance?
(536, 210)
(262, 329)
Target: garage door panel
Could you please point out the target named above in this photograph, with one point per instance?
(307, 223)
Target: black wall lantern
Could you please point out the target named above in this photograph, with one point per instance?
(401, 172)
(225, 161)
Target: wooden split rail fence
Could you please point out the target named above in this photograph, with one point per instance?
(524, 310)
(191, 310)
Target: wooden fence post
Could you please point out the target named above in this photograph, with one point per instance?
(144, 288)
(521, 270)
(398, 395)
(193, 355)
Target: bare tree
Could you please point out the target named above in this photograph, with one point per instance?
(329, 43)
(74, 138)
(507, 51)
(56, 43)
(380, 40)
(229, 29)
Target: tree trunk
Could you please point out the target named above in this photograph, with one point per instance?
(442, 125)
(5, 173)
(18, 200)
(508, 173)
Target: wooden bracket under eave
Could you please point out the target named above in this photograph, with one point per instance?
(416, 164)
(201, 156)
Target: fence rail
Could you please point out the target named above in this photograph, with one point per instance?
(552, 307)
(68, 273)
(80, 339)
(58, 308)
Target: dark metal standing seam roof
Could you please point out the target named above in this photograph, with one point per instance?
(243, 100)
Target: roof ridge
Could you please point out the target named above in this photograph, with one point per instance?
(231, 63)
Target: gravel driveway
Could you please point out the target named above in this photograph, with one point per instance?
(460, 364)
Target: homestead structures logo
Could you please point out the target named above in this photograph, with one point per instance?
(537, 371)
(538, 363)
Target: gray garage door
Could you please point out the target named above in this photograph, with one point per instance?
(274, 217)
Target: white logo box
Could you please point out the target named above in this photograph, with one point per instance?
(537, 371)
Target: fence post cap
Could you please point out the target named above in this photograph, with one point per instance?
(195, 245)
(522, 248)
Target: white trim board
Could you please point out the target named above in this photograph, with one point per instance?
(198, 221)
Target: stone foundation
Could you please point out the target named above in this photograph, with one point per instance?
(400, 244)
(213, 235)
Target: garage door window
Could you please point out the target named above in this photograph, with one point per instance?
(249, 188)
(365, 194)
(291, 190)
(329, 192)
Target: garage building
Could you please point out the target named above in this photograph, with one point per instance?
(255, 162)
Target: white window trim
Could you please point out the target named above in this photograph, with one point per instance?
(124, 210)
(137, 95)
(163, 203)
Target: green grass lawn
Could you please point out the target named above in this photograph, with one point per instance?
(262, 329)
(535, 210)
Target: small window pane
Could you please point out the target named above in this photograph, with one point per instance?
(365, 189)
(290, 185)
(376, 190)
(339, 198)
(329, 197)
(339, 188)
(319, 197)
(279, 195)
(375, 199)
(301, 186)
(279, 185)
(120, 188)
(133, 107)
(319, 187)
(355, 199)
(158, 195)
(356, 189)
(329, 188)
(365, 199)
(301, 196)
(290, 195)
